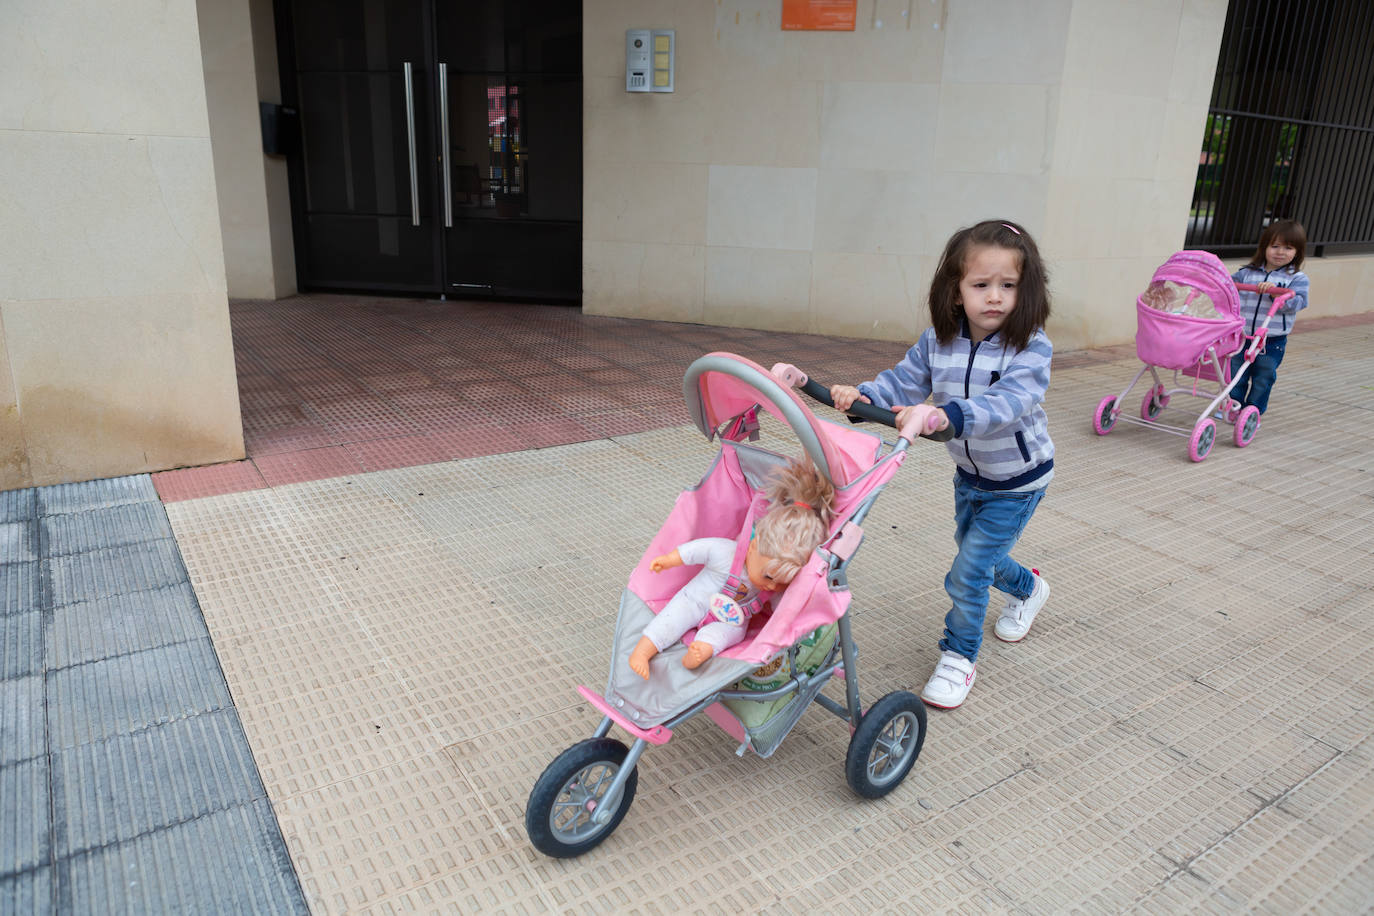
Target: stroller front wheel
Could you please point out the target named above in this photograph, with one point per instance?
(1204, 434)
(1105, 418)
(558, 816)
(1247, 425)
(886, 744)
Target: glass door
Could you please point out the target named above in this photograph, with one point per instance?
(510, 99)
(364, 92)
(441, 145)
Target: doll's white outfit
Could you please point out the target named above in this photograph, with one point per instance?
(707, 594)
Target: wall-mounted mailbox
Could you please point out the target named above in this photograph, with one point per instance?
(278, 128)
(649, 58)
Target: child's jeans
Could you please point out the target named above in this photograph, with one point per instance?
(987, 525)
(1253, 388)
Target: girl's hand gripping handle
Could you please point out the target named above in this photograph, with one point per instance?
(919, 420)
(788, 374)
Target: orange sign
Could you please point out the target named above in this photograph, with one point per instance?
(819, 15)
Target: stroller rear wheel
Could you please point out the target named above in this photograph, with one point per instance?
(1154, 403)
(558, 816)
(886, 744)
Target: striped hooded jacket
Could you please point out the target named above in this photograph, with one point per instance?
(992, 397)
(1253, 306)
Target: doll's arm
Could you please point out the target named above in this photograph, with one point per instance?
(666, 561)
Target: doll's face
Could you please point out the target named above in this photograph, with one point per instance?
(755, 564)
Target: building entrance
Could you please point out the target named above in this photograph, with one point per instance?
(440, 145)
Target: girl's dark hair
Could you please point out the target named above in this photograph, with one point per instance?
(1286, 230)
(1032, 290)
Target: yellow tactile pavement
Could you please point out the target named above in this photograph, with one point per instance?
(1187, 727)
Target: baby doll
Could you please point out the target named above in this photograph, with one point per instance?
(800, 507)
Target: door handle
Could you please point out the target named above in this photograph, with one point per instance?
(410, 138)
(443, 159)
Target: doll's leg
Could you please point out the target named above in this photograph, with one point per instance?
(666, 628)
(644, 652)
(711, 639)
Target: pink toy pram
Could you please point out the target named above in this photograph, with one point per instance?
(1188, 320)
(584, 793)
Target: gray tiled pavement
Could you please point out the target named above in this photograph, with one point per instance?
(126, 780)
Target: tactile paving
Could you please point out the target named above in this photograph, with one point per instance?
(223, 862)
(163, 775)
(115, 721)
(25, 844)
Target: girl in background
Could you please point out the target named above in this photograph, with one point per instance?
(1274, 266)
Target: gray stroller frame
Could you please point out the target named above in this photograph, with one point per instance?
(582, 796)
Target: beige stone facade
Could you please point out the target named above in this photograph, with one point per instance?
(115, 348)
(809, 180)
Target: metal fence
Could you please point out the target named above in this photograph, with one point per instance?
(1290, 130)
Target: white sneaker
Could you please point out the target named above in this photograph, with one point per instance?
(1019, 613)
(951, 681)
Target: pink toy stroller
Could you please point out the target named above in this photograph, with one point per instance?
(802, 644)
(1188, 320)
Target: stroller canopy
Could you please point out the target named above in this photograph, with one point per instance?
(720, 386)
(1191, 305)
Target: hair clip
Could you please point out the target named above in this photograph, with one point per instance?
(798, 502)
(1012, 228)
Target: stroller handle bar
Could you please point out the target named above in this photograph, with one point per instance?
(793, 376)
(1280, 298)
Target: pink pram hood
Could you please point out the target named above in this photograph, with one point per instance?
(1173, 341)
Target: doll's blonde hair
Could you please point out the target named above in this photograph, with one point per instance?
(801, 505)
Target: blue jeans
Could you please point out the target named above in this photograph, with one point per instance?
(1253, 389)
(987, 525)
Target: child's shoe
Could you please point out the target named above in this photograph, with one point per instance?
(1019, 613)
(951, 681)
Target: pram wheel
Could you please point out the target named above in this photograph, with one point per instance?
(1153, 405)
(886, 744)
(1204, 434)
(558, 816)
(1247, 425)
(1105, 418)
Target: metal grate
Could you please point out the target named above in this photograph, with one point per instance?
(1290, 130)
